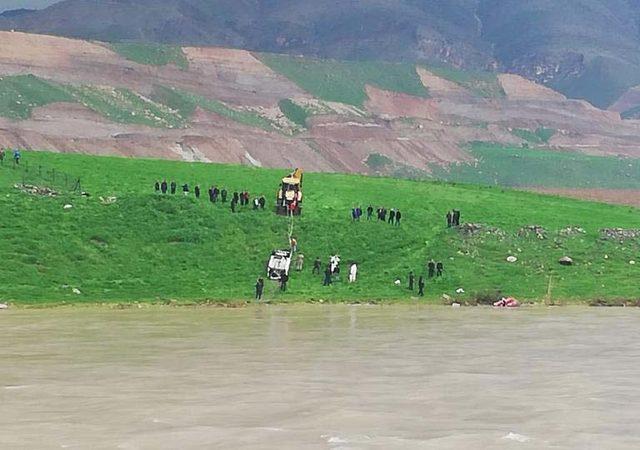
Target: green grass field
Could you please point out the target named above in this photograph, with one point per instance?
(152, 54)
(519, 167)
(148, 247)
(344, 81)
(20, 94)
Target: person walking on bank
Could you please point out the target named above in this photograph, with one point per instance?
(156, 186)
(317, 265)
(398, 217)
(449, 219)
(299, 262)
(327, 276)
(196, 191)
(259, 288)
(421, 286)
(431, 268)
(174, 186)
(283, 282)
(439, 269)
(392, 216)
(163, 186)
(411, 280)
(16, 157)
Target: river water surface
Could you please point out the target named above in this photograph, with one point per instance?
(327, 377)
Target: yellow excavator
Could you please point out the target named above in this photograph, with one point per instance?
(289, 196)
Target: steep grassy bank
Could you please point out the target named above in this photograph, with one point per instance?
(151, 247)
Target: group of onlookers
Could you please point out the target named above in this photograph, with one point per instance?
(17, 155)
(395, 216)
(215, 194)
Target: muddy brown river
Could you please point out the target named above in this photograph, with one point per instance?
(325, 377)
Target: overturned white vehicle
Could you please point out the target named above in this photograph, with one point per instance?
(279, 263)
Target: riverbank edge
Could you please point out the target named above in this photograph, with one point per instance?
(238, 303)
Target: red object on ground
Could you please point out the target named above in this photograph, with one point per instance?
(508, 302)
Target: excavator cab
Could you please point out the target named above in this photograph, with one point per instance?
(289, 196)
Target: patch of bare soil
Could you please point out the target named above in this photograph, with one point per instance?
(389, 104)
(519, 88)
(630, 197)
(439, 87)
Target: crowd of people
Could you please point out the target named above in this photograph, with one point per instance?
(214, 193)
(395, 216)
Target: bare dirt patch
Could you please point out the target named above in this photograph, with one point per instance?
(630, 197)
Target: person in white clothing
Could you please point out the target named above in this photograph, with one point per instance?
(353, 273)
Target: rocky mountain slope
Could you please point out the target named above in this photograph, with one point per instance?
(234, 106)
(586, 49)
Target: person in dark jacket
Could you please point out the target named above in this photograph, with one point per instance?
(431, 268)
(236, 197)
(398, 217)
(449, 219)
(156, 186)
(174, 186)
(327, 276)
(421, 286)
(439, 269)
(369, 212)
(392, 216)
(2, 153)
(283, 282)
(211, 195)
(317, 266)
(411, 280)
(263, 202)
(216, 192)
(163, 186)
(259, 288)
(185, 189)
(196, 191)
(223, 195)
(234, 202)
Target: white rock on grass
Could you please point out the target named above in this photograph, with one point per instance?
(633, 263)
(4, 306)
(68, 206)
(459, 291)
(511, 259)
(76, 291)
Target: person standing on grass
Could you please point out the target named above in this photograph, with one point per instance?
(211, 195)
(294, 244)
(2, 156)
(236, 197)
(421, 286)
(234, 202)
(259, 288)
(215, 192)
(327, 276)
(174, 186)
(449, 219)
(156, 186)
(369, 212)
(256, 203)
(456, 217)
(283, 282)
(163, 186)
(317, 265)
(398, 217)
(431, 268)
(353, 273)
(411, 280)
(392, 216)
(439, 269)
(16, 156)
(196, 191)
(299, 262)
(223, 195)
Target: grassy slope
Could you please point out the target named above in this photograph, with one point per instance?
(344, 81)
(518, 167)
(20, 94)
(152, 54)
(148, 247)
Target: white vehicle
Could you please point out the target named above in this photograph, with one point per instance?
(279, 263)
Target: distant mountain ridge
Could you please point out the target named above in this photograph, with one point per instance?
(587, 49)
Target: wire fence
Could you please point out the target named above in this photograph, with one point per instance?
(38, 175)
